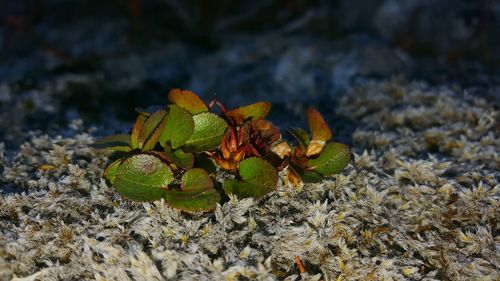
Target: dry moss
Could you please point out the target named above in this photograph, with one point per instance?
(419, 202)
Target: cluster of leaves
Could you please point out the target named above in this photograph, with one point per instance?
(176, 152)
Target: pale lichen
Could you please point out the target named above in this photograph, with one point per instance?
(420, 201)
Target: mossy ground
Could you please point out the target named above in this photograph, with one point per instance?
(420, 201)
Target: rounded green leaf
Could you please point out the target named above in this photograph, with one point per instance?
(208, 132)
(333, 159)
(258, 177)
(196, 179)
(242, 189)
(110, 172)
(143, 177)
(196, 194)
(180, 158)
(179, 126)
(309, 176)
(258, 171)
(193, 201)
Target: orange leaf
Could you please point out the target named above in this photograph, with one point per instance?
(266, 130)
(187, 100)
(319, 127)
(320, 131)
(139, 123)
(258, 110)
(292, 178)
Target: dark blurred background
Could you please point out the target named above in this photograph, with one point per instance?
(98, 60)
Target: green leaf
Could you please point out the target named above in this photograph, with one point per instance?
(333, 159)
(242, 189)
(193, 201)
(258, 171)
(110, 172)
(114, 143)
(256, 110)
(179, 126)
(136, 130)
(180, 158)
(187, 100)
(208, 132)
(309, 176)
(258, 177)
(143, 177)
(196, 179)
(151, 131)
(301, 136)
(197, 193)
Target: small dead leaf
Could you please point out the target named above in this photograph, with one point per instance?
(315, 147)
(292, 178)
(282, 149)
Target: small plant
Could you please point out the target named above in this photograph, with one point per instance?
(176, 153)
